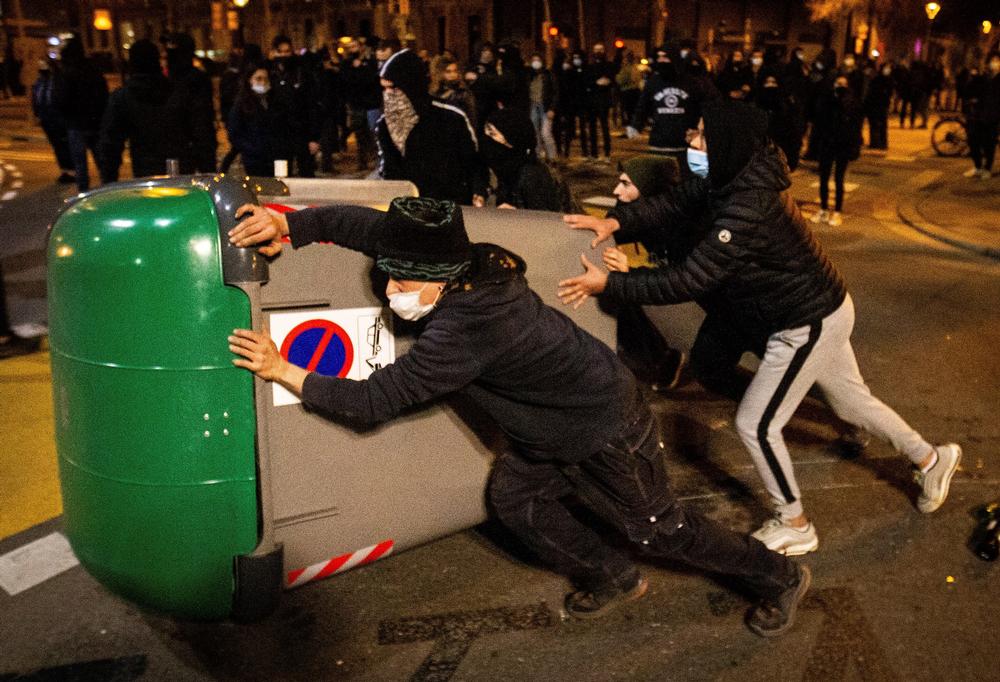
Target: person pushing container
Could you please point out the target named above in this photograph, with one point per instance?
(572, 411)
(759, 259)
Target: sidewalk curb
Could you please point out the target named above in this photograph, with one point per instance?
(908, 213)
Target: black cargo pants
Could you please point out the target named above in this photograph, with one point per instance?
(626, 483)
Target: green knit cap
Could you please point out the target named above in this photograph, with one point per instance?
(651, 174)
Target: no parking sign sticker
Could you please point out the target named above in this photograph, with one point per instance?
(350, 343)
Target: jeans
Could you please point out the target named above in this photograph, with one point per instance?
(595, 115)
(878, 129)
(626, 483)
(982, 142)
(826, 164)
(543, 129)
(55, 131)
(79, 142)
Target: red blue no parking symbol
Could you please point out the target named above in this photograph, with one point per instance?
(319, 346)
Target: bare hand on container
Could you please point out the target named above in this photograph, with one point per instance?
(602, 227)
(615, 259)
(261, 227)
(575, 290)
(260, 355)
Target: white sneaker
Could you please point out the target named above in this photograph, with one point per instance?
(835, 219)
(971, 173)
(935, 482)
(787, 540)
(820, 217)
(985, 174)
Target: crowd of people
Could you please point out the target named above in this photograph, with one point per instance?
(708, 200)
(304, 106)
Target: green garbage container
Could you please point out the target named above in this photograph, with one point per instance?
(155, 428)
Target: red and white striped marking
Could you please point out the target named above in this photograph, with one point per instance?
(339, 564)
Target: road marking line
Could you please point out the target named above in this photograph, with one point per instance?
(17, 184)
(848, 186)
(35, 562)
(7, 196)
(27, 156)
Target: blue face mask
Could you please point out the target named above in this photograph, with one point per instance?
(697, 162)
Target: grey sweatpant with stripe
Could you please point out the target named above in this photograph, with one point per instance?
(793, 361)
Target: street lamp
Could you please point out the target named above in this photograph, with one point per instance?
(987, 26)
(932, 8)
(241, 3)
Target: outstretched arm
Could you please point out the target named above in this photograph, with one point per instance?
(352, 227)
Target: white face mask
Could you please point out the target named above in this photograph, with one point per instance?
(407, 304)
(756, 61)
(536, 65)
(685, 52)
(260, 88)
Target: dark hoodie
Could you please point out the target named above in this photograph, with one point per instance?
(441, 155)
(80, 92)
(137, 113)
(522, 180)
(757, 259)
(673, 101)
(554, 389)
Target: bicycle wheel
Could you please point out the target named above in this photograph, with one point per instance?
(949, 138)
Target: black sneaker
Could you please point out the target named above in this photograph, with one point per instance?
(772, 618)
(668, 375)
(586, 604)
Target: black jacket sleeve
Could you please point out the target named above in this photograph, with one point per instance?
(440, 362)
(714, 260)
(669, 211)
(353, 227)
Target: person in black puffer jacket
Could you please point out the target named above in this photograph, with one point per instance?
(427, 142)
(571, 410)
(759, 260)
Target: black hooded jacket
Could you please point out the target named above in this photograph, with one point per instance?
(522, 180)
(441, 156)
(757, 259)
(137, 113)
(556, 391)
(673, 100)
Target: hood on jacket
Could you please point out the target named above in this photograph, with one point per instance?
(406, 71)
(733, 132)
(491, 265)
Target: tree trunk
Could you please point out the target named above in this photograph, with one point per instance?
(582, 26)
(549, 48)
(660, 27)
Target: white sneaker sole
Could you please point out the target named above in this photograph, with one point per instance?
(796, 549)
(926, 508)
(799, 549)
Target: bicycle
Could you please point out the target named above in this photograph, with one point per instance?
(949, 136)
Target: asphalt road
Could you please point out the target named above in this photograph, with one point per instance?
(897, 594)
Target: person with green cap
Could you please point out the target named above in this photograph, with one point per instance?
(640, 344)
(756, 259)
(571, 410)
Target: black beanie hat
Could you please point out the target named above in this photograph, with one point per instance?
(424, 240)
(733, 131)
(406, 71)
(650, 174)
